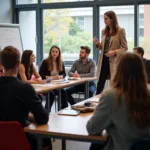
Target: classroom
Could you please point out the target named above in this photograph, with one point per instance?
(75, 74)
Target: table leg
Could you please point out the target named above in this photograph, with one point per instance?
(63, 144)
(39, 143)
(59, 99)
(86, 90)
(48, 101)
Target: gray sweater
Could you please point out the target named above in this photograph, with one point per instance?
(84, 70)
(115, 120)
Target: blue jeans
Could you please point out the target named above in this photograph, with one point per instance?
(79, 88)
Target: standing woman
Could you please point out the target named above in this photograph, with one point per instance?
(124, 110)
(53, 67)
(27, 69)
(113, 42)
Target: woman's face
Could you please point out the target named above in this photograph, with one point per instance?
(32, 58)
(107, 20)
(54, 53)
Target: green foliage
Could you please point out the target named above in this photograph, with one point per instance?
(48, 42)
(71, 38)
(74, 28)
(130, 43)
(71, 44)
(55, 25)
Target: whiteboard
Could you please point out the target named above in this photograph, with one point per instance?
(10, 35)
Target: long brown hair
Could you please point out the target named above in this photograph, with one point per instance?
(114, 21)
(130, 80)
(25, 60)
(58, 60)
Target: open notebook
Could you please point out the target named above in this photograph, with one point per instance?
(68, 112)
(60, 81)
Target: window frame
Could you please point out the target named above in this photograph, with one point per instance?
(95, 4)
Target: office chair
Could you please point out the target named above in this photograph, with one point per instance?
(12, 137)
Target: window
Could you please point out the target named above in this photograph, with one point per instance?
(69, 28)
(66, 28)
(54, 1)
(28, 29)
(125, 15)
(141, 32)
(27, 1)
(80, 22)
(141, 24)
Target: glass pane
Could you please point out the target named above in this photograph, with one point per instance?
(69, 29)
(27, 1)
(28, 29)
(54, 1)
(144, 30)
(125, 15)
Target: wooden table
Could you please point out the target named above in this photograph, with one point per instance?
(46, 88)
(66, 128)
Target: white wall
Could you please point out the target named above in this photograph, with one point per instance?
(5, 11)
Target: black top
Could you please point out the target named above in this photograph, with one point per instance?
(45, 72)
(17, 99)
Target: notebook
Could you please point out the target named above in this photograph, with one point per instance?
(60, 81)
(74, 78)
(68, 112)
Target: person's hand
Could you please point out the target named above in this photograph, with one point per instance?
(95, 40)
(56, 77)
(110, 53)
(38, 79)
(76, 75)
(41, 81)
(61, 77)
(31, 117)
(48, 77)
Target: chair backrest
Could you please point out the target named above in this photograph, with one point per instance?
(12, 137)
(141, 144)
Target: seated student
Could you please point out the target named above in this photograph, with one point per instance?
(124, 109)
(53, 67)
(82, 67)
(27, 69)
(18, 98)
(140, 52)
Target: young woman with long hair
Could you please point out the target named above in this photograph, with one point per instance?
(113, 42)
(124, 110)
(53, 67)
(27, 69)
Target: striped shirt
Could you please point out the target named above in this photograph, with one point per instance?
(84, 70)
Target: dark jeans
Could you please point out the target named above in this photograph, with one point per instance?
(32, 139)
(53, 93)
(97, 146)
(79, 88)
(105, 72)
